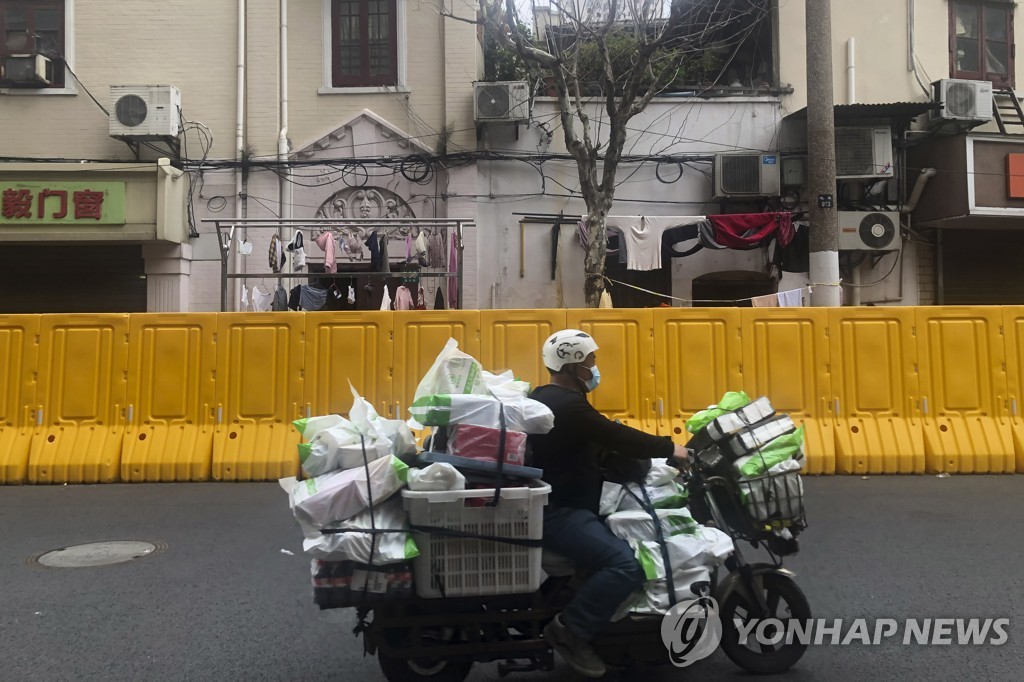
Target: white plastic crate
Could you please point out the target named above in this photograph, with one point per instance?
(460, 567)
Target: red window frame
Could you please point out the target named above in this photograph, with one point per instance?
(983, 74)
(30, 7)
(364, 78)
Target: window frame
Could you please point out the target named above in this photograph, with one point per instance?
(396, 80)
(1007, 80)
(67, 84)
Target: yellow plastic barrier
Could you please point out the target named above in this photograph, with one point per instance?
(259, 392)
(345, 347)
(875, 389)
(786, 357)
(699, 356)
(1013, 333)
(80, 400)
(171, 397)
(19, 348)
(626, 361)
(963, 387)
(419, 337)
(512, 339)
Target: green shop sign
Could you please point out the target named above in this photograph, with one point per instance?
(62, 203)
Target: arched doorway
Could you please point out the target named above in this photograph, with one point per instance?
(730, 287)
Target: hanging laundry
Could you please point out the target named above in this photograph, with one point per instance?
(244, 246)
(794, 298)
(262, 301)
(351, 246)
(435, 249)
(796, 256)
(294, 297)
(556, 231)
(679, 234)
(453, 267)
(620, 251)
(325, 240)
(276, 254)
(420, 250)
(373, 243)
(351, 295)
(403, 298)
(606, 300)
(295, 246)
(582, 234)
(408, 248)
(385, 258)
(643, 237)
(421, 300)
(311, 298)
(385, 302)
(439, 300)
(750, 230)
(280, 299)
(245, 298)
(769, 301)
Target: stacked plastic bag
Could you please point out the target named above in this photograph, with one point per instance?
(457, 393)
(765, 451)
(692, 549)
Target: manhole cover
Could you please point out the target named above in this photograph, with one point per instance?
(96, 554)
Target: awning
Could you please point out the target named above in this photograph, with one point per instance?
(891, 110)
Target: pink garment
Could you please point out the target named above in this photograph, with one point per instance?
(403, 299)
(325, 240)
(769, 301)
(453, 266)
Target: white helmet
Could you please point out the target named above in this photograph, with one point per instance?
(567, 347)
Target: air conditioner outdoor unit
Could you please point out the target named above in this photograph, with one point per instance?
(863, 153)
(869, 231)
(145, 111)
(27, 71)
(507, 101)
(747, 175)
(962, 100)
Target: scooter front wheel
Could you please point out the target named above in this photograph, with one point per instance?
(416, 670)
(786, 602)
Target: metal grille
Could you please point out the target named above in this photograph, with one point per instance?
(741, 174)
(855, 153)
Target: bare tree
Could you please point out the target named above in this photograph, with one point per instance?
(623, 53)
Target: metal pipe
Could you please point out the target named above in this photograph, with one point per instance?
(284, 193)
(240, 126)
(855, 283)
(940, 287)
(911, 56)
(851, 71)
(915, 194)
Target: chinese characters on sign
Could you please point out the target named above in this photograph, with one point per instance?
(17, 203)
(99, 203)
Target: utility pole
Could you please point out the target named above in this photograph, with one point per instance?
(821, 152)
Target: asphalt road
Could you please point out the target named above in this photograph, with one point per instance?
(221, 601)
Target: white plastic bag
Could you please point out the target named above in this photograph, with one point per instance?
(521, 414)
(340, 448)
(661, 474)
(390, 547)
(611, 494)
(672, 495)
(638, 525)
(437, 476)
(340, 495)
(453, 372)
(310, 426)
(691, 556)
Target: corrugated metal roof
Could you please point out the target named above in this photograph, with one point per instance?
(892, 110)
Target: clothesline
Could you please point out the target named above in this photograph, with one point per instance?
(808, 288)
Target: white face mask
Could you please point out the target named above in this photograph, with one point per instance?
(244, 248)
(595, 379)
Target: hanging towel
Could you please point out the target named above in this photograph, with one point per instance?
(606, 300)
(794, 298)
(280, 299)
(325, 240)
(453, 267)
(385, 301)
(403, 298)
(750, 230)
(769, 301)
(439, 300)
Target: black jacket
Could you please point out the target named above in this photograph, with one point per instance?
(570, 454)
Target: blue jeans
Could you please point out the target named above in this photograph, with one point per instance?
(580, 536)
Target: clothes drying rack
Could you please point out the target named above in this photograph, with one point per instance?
(344, 227)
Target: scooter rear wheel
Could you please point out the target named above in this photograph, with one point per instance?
(786, 602)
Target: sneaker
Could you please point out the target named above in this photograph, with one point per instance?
(580, 656)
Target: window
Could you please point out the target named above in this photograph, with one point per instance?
(364, 47)
(981, 41)
(34, 27)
